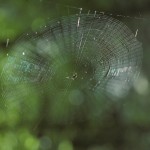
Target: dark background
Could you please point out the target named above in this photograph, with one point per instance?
(120, 125)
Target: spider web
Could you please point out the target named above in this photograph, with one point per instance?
(71, 63)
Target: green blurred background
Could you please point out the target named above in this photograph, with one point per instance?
(114, 125)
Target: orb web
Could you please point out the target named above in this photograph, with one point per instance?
(74, 58)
